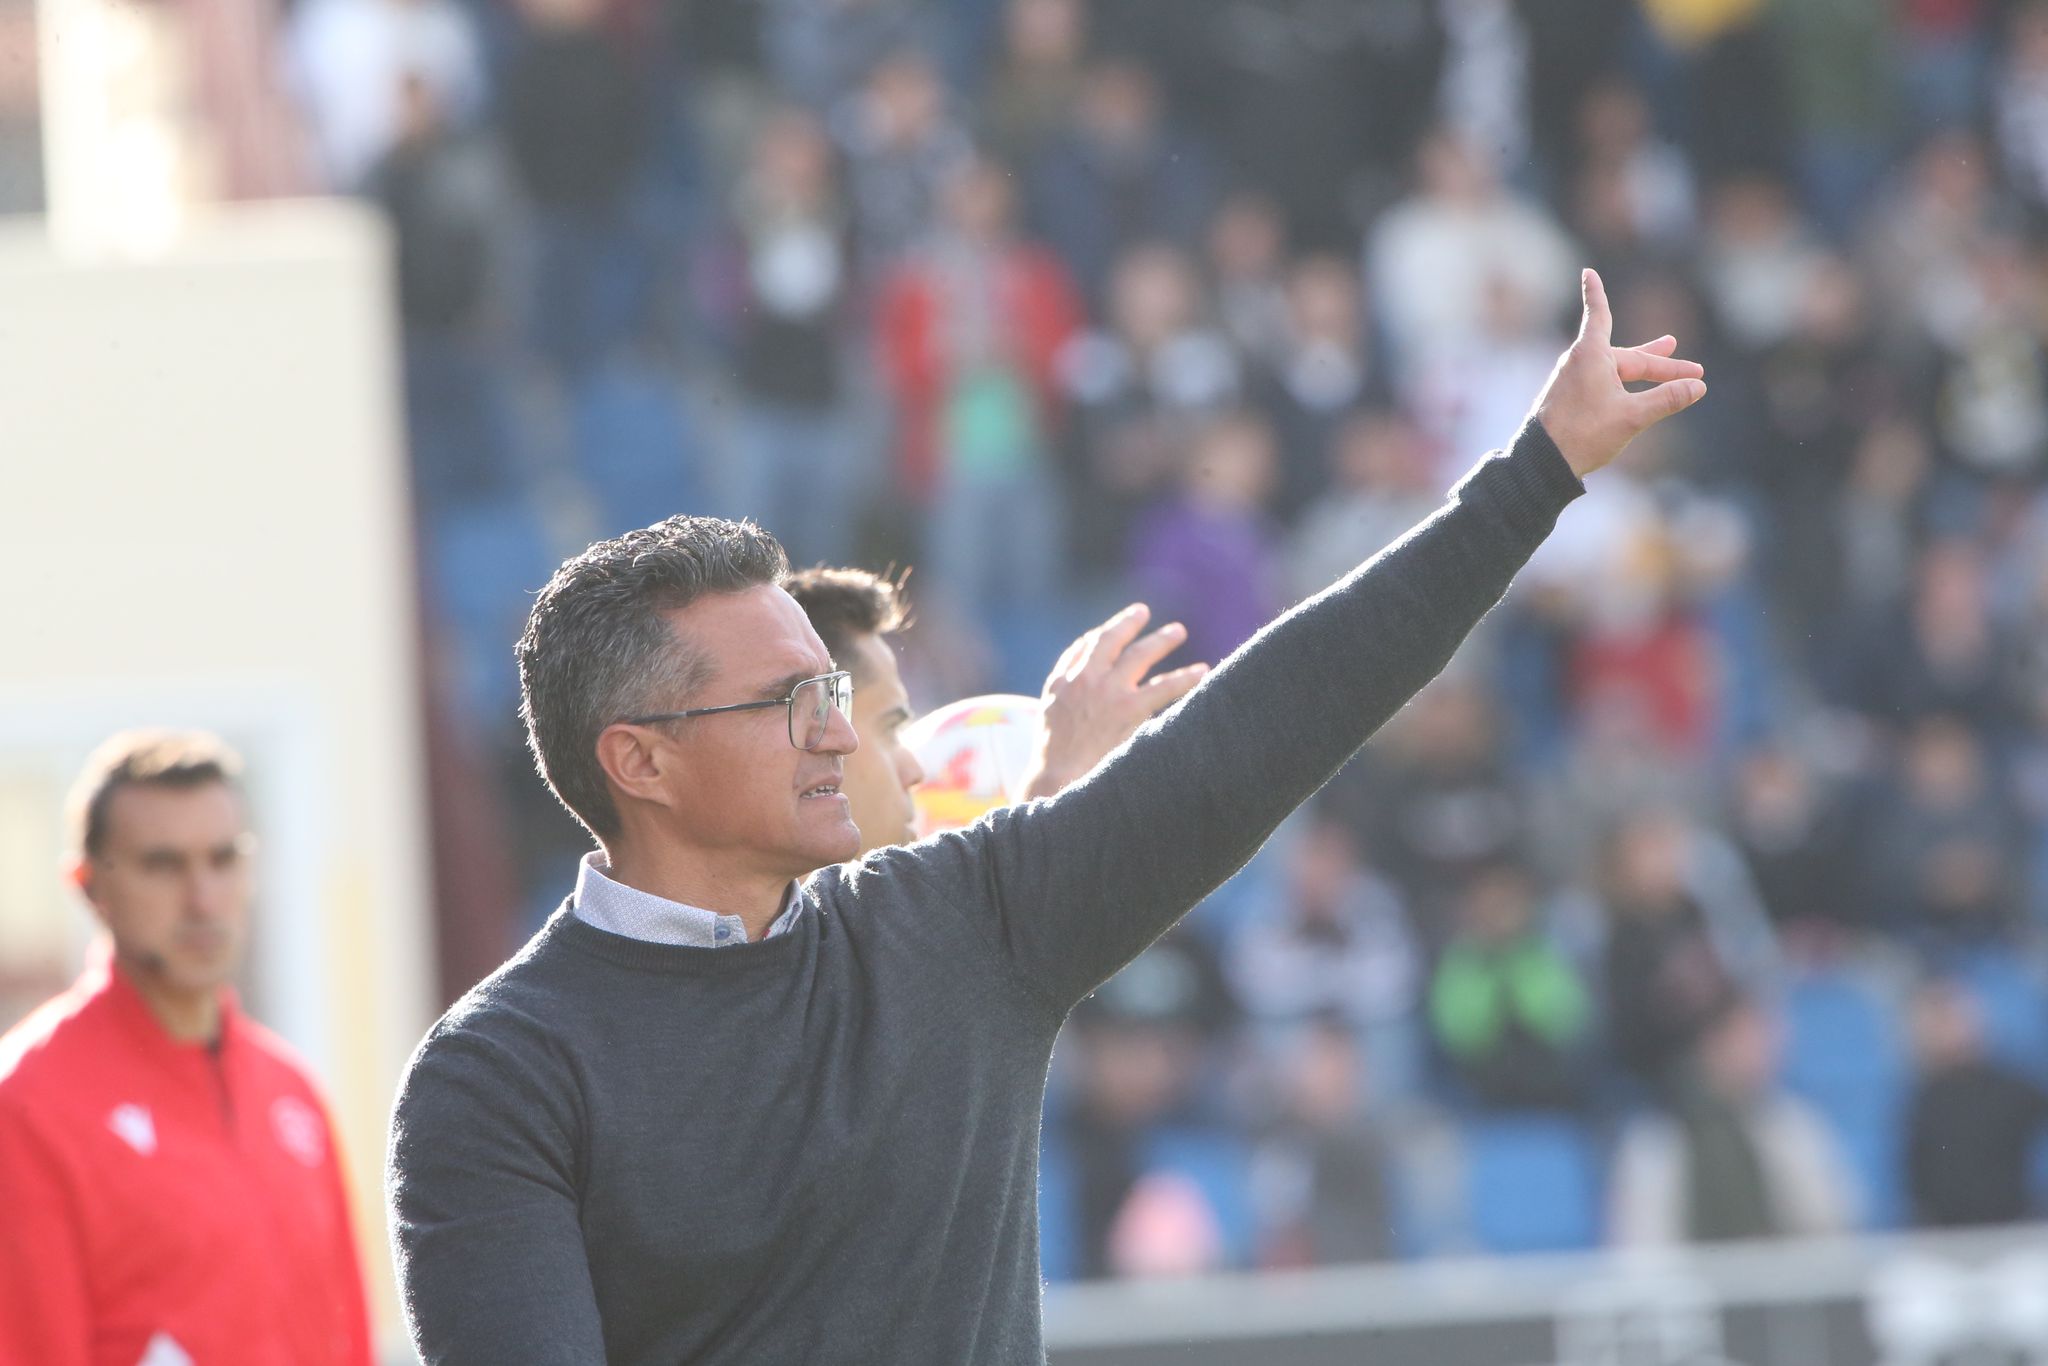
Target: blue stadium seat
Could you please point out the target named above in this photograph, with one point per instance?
(634, 444)
(2013, 1001)
(1532, 1184)
(459, 424)
(484, 561)
(1844, 1056)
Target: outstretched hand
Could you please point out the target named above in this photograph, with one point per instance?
(1586, 409)
(1097, 694)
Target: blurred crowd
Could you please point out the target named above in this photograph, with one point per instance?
(1702, 899)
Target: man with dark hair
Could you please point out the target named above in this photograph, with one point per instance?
(169, 1175)
(1096, 696)
(854, 612)
(647, 1140)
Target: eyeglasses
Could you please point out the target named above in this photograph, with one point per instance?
(810, 705)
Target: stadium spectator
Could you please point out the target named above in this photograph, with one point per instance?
(1485, 88)
(1465, 385)
(1917, 245)
(796, 459)
(1971, 1123)
(349, 63)
(1667, 978)
(1208, 552)
(970, 329)
(1246, 256)
(1945, 50)
(1120, 177)
(578, 127)
(1991, 378)
(903, 145)
(821, 54)
(1798, 839)
(1575, 50)
(1382, 484)
(173, 1186)
(1139, 386)
(1158, 1173)
(1321, 1177)
(1298, 99)
(1821, 384)
(2019, 103)
(1939, 651)
(1841, 86)
(1320, 375)
(1737, 1156)
(1039, 79)
(1878, 523)
(1431, 257)
(1335, 944)
(1935, 856)
(1507, 1007)
(455, 213)
(1720, 79)
(1444, 802)
(1758, 259)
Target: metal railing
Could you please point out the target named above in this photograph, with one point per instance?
(1902, 1299)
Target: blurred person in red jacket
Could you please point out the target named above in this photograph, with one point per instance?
(969, 327)
(171, 1180)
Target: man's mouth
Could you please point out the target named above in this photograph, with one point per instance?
(821, 790)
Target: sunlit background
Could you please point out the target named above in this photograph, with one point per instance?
(1665, 986)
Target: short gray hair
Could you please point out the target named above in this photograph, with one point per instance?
(597, 649)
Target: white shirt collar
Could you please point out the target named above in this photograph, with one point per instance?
(614, 907)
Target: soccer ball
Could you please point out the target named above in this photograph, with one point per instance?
(975, 754)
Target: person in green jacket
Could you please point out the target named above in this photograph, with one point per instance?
(1507, 1007)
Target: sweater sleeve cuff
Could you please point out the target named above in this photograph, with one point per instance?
(1530, 482)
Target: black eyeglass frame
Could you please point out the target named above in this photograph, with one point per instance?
(839, 694)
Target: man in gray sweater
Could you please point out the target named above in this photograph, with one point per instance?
(717, 1113)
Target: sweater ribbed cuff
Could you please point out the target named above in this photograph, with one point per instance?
(1531, 481)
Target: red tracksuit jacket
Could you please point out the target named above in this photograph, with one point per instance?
(165, 1203)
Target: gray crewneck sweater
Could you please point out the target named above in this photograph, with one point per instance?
(823, 1147)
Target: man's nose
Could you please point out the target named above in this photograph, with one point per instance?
(207, 892)
(908, 768)
(840, 737)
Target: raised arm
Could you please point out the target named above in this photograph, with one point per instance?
(1081, 883)
(484, 1228)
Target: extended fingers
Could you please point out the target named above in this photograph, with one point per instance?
(1105, 644)
(1149, 649)
(1641, 363)
(1162, 692)
(1654, 405)
(1597, 324)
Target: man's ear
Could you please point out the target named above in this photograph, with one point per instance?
(636, 761)
(79, 875)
